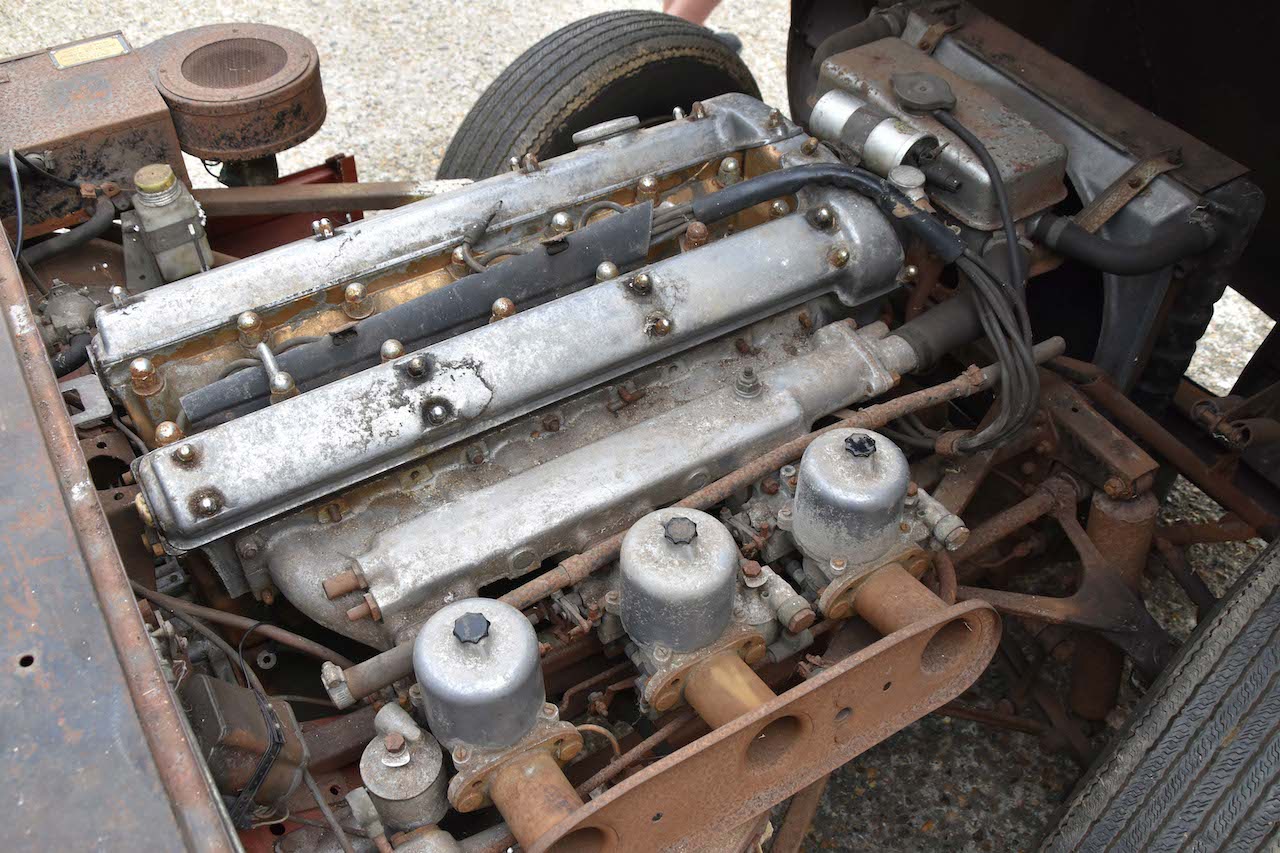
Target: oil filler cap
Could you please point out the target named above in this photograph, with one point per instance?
(471, 627)
(680, 530)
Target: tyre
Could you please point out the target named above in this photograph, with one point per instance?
(1197, 766)
(600, 68)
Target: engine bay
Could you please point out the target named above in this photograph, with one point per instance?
(718, 447)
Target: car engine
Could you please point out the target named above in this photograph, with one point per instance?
(699, 452)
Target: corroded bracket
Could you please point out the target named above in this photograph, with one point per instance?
(690, 798)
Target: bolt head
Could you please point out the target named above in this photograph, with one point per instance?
(394, 743)
(208, 505)
(648, 184)
(167, 432)
(697, 231)
(502, 308)
(809, 146)
(823, 217)
(606, 271)
(416, 366)
(437, 413)
(471, 627)
(391, 349)
(729, 166)
(839, 257)
(680, 530)
(561, 222)
(249, 321)
(282, 383)
(860, 444)
(779, 209)
(658, 325)
(641, 282)
(185, 454)
(141, 369)
(458, 256)
(354, 292)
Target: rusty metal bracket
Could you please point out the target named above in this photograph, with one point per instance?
(686, 801)
(1103, 602)
(1093, 447)
(1125, 189)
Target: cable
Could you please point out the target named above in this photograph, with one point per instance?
(230, 620)
(17, 200)
(950, 122)
(329, 817)
(593, 209)
(66, 182)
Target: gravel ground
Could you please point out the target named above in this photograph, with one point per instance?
(399, 77)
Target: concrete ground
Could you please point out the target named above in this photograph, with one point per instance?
(399, 77)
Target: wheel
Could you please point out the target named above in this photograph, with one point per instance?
(1197, 766)
(602, 67)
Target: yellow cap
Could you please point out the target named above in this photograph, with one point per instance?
(154, 178)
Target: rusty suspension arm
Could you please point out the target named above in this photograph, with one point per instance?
(349, 686)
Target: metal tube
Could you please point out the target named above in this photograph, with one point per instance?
(723, 688)
(1104, 393)
(1122, 531)
(532, 795)
(283, 199)
(891, 599)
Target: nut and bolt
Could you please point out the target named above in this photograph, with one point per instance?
(501, 309)
(390, 350)
(607, 270)
(249, 547)
(751, 569)
(367, 609)
(748, 384)
(822, 218)
(641, 283)
(119, 296)
(839, 256)
(185, 454)
(249, 327)
(322, 228)
(475, 454)
(696, 235)
(561, 222)
(345, 581)
(779, 209)
(356, 303)
(551, 423)
(208, 504)
(282, 386)
(394, 743)
(677, 114)
(417, 367)
(458, 262)
(437, 413)
(167, 432)
(770, 486)
(698, 110)
(838, 565)
(1116, 488)
(146, 380)
(461, 755)
(529, 163)
(729, 172)
(809, 146)
(657, 325)
(661, 653)
(909, 273)
(647, 188)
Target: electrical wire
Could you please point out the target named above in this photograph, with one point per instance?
(44, 173)
(17, 201)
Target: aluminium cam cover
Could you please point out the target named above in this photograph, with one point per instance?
(275, 459)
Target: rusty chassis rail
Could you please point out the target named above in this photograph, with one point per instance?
(166, 772)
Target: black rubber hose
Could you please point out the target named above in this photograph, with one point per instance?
(941, 329)
(892, 202)
(879, 25)
(103, 215)
(73, 357)
(1170, 244)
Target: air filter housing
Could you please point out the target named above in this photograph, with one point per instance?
(239, 91)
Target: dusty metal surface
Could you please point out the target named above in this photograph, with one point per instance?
(100, 121)
(789, 743)
(83, 688)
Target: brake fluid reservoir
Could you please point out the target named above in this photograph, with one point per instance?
(849, 496)
(171, 226)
